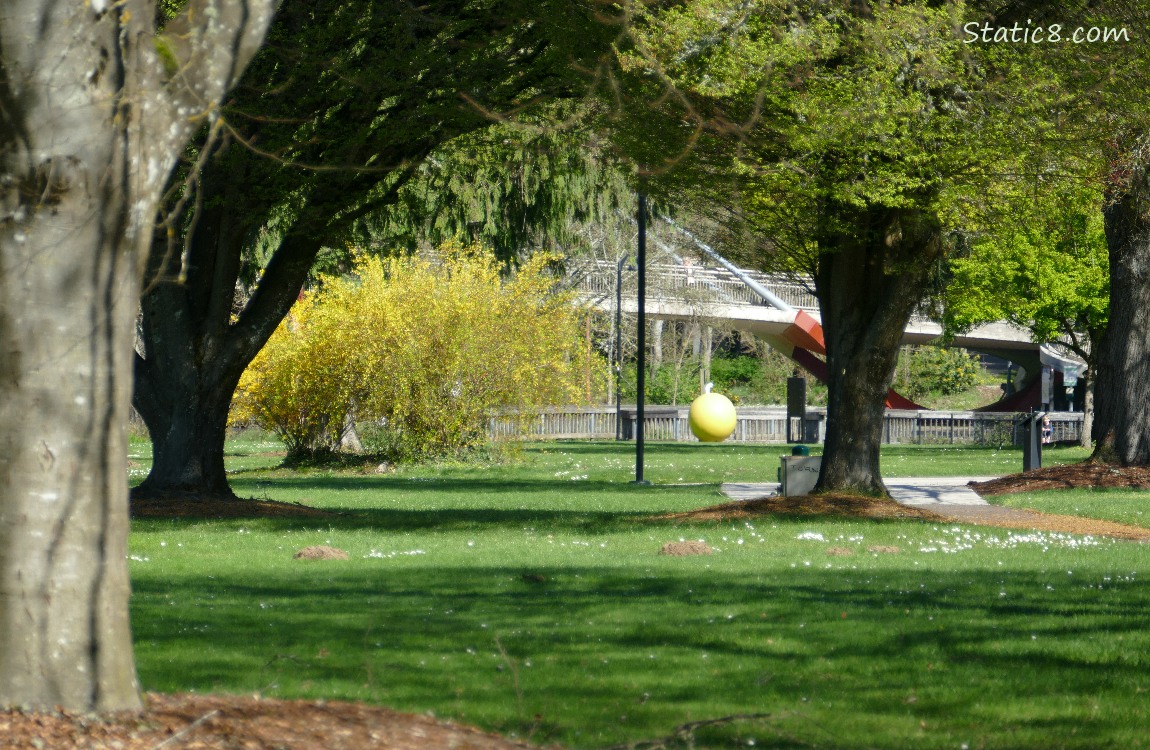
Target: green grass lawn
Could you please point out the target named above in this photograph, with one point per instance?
(1120, 505)
(528, 597)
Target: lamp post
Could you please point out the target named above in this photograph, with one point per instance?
(619, 347)
(641, 384)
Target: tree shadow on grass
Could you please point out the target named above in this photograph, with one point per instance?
(458, 504)
(938, 646)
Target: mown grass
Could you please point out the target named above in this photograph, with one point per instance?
(1120, 505)
(529, 597)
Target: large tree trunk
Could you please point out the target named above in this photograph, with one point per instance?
(868, 285)
(1122, 381)
(90, 126)
(193, 351)
(187, 415)
(68, 290)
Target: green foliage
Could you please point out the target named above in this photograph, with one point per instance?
(761, 379)
(936, 370)
(754, 380)
(510, 186)
(808, 115)
(1043, 265)
(345, 102)
(666, 385)
(728, 372)
(424, 347)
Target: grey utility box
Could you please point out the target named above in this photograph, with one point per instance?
(799, 474)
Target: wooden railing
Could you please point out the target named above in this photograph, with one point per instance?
(767, 424)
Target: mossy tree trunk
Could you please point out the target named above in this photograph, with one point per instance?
(869, 282)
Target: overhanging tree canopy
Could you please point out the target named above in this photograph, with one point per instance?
(837, 133)
(331, 121)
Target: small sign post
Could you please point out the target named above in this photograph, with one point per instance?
(796, 409)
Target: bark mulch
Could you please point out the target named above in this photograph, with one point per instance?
(207, 722)
(1068, 477)
(830, 504)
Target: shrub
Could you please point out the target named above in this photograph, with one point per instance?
(425, 347)
(937, 370)
(726, 373)
(304, 382)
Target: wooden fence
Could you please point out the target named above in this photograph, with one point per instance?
(769, 425)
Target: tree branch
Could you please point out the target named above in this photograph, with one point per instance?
(206, 47)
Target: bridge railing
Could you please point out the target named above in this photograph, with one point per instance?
(598, 279)
(768, 424)
(701, 284)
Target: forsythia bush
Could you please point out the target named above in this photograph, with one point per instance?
(425, 346)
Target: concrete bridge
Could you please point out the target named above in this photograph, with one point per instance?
(784, 312)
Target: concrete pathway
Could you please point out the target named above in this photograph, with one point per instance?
(950, 498)
(928, 492)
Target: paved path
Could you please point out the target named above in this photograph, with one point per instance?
(921, 492)
(950, 498)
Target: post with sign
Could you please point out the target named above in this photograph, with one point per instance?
(796, 408)
(1070, 381)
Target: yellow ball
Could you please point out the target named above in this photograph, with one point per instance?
(712, 417)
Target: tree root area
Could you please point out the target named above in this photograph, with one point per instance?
(205, 722)
(189, 505)
(1073, 476)
(858, 507)
(829, 504)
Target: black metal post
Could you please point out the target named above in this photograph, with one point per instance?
(1032, 441)
(642, 364)
(619, 348)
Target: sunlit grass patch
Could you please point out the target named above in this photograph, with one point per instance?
(1120, 505)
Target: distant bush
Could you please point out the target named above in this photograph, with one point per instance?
(727, 373)
(423, 347)
(936, 370)
(665, 385)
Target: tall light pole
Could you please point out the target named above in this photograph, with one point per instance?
(642, 368)
(619, 348)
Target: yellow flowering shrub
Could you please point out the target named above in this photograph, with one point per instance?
(424, 346)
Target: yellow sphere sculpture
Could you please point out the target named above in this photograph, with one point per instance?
(712, 417)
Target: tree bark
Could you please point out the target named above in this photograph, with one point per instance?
(868, 284)
(1122, 381)
(68, 291)
(91, 123)
(193, 351)
(1085, 437)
